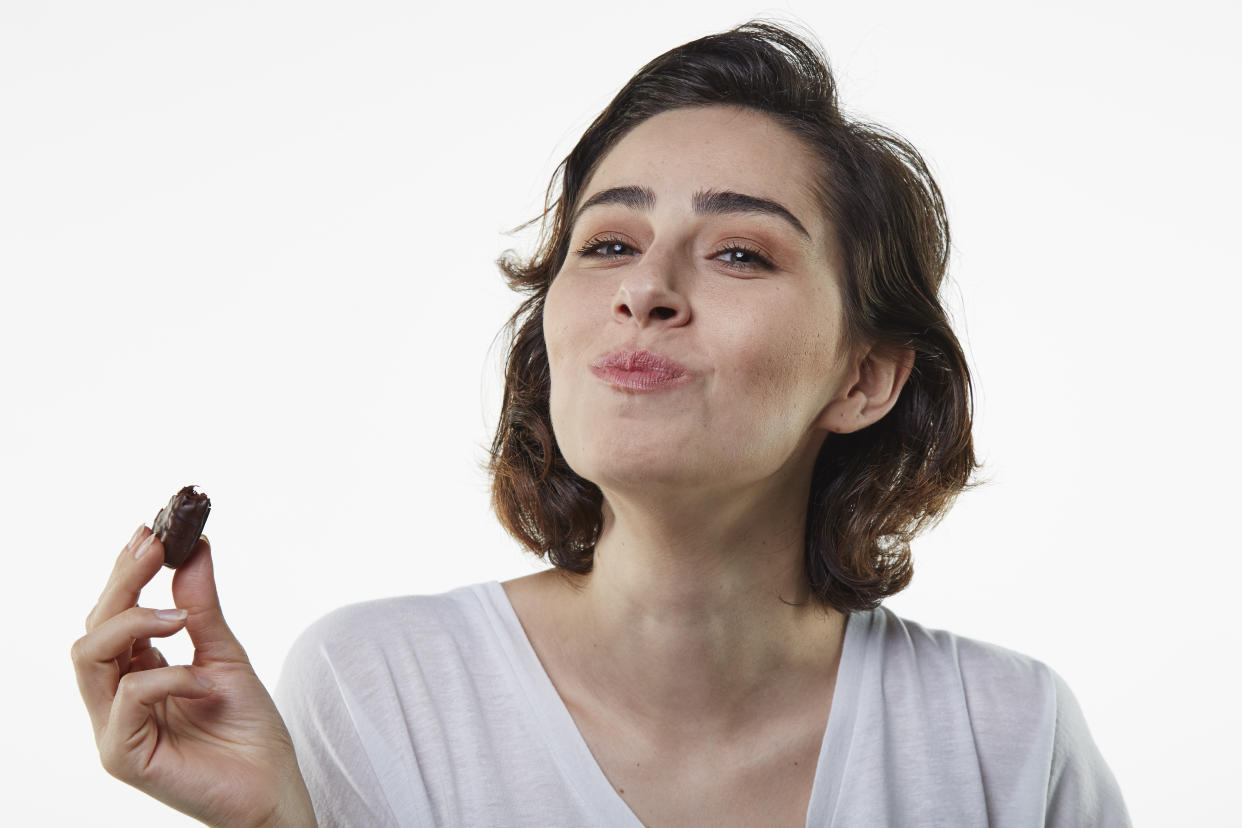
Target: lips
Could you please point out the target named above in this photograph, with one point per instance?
(630, 360)
(638, 371)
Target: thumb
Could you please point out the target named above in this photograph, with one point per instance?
(194, 590)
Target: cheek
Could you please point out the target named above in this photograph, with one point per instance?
(563, 326)
(556, 331)
(567, 303)
(794, 366)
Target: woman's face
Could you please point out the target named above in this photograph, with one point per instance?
(713, 254)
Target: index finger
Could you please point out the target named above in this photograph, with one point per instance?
(129, 575)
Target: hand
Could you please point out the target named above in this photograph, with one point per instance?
(204, 738)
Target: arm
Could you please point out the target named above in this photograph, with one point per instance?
(1081, 788)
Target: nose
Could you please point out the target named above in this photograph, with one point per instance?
(646, 296)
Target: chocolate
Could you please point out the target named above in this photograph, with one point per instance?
(179, 524)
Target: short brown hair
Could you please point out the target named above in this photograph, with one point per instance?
(872, 490)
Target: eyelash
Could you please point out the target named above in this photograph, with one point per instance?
(760, 260)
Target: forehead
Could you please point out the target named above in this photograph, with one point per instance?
(682, 151)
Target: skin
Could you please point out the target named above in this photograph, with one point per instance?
(694, 636)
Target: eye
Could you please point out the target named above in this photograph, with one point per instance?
(612, 246)
(741, 257)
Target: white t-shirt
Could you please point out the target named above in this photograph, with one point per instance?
(435, 710)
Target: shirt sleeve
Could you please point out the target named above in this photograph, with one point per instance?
(344, 787)
(1082, 790)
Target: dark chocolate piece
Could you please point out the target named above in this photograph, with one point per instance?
(179, 524)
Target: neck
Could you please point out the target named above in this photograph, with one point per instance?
(699, 615)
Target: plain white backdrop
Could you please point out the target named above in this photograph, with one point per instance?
(250, 246)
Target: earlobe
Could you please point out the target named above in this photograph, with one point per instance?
(870, 392)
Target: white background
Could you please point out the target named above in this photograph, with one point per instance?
(250, 246)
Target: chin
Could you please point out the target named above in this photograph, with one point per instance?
(616, 453)
(633, 468)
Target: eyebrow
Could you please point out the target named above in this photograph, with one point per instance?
(705, 202)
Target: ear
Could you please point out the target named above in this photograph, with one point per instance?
(870, 390)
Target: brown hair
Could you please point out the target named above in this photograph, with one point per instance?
(872, 490)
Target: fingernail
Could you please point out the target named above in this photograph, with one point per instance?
(171, 614)
(203, 681)
(137, 534)
(142, 549)
(206, 539)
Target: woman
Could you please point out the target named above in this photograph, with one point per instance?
(732, 399)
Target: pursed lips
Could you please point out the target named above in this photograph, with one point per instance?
(641, 370)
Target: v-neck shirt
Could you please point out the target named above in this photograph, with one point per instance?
(434, 710)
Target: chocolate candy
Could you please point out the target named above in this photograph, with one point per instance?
(179, 524)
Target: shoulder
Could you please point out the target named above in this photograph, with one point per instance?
(980, 694)
(990, 674)
(397, 620)
(1013, 717)
(388, 637)
(366, 692)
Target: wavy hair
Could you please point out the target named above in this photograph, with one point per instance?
(872, 490)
